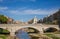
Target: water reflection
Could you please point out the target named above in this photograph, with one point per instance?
(22, 34)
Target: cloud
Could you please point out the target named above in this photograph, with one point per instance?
(3, 8)
(32, 11)
(23, 11)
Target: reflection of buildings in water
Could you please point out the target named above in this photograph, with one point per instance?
(28, 30)
(31, 30)
(22, 34)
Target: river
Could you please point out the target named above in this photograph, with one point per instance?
(22, 35)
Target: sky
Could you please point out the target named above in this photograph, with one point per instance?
(24, 10)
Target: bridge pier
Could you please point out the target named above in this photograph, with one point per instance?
(12, 34)
(41, 31)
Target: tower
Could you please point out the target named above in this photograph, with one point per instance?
(35, 20)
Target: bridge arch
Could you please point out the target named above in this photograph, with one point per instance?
(29, 30)
(4, 31)
(36, 28)
(51, 29)
(14, 27)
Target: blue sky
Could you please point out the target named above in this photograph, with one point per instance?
(27, 9)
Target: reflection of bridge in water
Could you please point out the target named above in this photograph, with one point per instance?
(14, 27)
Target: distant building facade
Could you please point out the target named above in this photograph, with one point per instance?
(10, 21)
(17, 22)
(33, 21)
(52, 18)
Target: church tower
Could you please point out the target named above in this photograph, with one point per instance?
(35, 20)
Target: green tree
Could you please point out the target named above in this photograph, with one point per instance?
(3, 19)
(1, 30)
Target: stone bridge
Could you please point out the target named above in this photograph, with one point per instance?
(15, 27)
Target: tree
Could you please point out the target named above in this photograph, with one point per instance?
(3, 19)
(1, 30)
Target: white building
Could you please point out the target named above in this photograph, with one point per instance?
(35, 20)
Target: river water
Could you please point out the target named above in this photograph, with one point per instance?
(22, 35)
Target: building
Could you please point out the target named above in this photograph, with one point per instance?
(33, 21)
(10, 21)
(17, 22)
(56, 16)
(52, 18)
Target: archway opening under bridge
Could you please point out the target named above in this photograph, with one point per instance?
(51, 29)
(29, 30)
